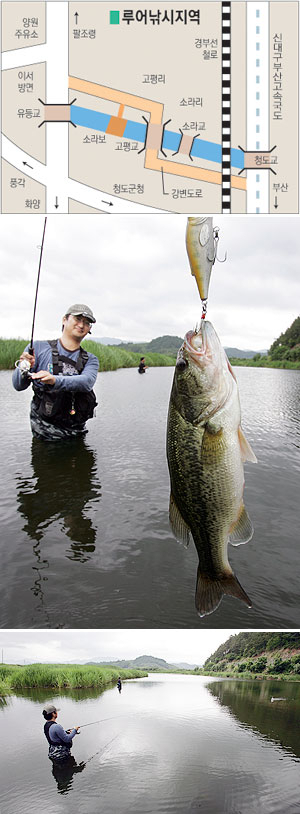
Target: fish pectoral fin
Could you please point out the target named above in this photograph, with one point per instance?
(179, 527)
(209, 592)
(246, 450)
(213, 446)
(242, 530)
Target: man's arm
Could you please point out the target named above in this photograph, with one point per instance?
(84, 382)
(64, 736)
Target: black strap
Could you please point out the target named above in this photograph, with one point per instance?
(57, 360)
(47, 726)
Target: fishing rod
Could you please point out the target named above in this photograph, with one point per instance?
(115, 717)
(24, 364)
(30, 349)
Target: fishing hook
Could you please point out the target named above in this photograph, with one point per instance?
(215, 254)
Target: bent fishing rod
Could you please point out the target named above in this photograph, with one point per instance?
(24, 364)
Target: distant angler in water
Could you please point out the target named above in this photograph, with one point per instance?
(62, 375)
(142, 366)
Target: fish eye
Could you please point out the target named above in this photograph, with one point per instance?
(181, 365)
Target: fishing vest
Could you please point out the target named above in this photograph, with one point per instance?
(60, 742)
(64, 409)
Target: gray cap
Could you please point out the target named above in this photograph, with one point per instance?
(50, 708)
(81, 310)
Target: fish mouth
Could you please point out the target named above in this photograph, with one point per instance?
(194, 347)
(202, 347)
(195, 342)
(203, 344)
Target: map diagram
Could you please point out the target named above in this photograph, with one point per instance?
(136, 107)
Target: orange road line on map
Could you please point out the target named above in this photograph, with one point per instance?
(154, 108)
(121, 111)
(152, 161)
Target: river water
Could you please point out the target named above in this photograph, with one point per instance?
(173, 744)
(85, 534)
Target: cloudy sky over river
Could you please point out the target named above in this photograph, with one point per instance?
(133, 271)
(57, 646)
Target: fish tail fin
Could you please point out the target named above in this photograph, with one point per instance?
(209, 592)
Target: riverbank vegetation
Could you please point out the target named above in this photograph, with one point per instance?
(61, 676)
(264, 361)
(110, 358)
(257, 655)
(283, 353)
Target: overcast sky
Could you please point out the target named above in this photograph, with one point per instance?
(134, 273)
(192, 646)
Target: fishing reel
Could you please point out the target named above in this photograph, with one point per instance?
(23, 366)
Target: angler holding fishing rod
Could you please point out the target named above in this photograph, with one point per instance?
(62, 375)
(59, 739)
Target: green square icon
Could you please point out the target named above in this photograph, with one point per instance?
(114, 17)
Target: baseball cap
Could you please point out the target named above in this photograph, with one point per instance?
(50, 708)
(82, 310)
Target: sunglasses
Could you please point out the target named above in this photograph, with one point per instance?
(79, 318)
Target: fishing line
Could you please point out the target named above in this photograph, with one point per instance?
(100, 751)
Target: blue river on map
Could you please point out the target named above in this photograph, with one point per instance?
(136, 131)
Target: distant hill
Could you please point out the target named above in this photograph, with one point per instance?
(236, 353)
(144, 663)
(170, 345)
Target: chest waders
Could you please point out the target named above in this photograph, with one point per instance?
(58, 751)
(64, 409)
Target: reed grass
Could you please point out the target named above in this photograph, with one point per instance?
(4, 687)
(247, 676)
(110, 358)
(10, 351)
(14, 677)
(265, 361)
(114, 358)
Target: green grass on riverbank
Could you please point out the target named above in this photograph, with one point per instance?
(247, 675)
(265, 361)
(113, 358)
(61, 676)
(109, 358)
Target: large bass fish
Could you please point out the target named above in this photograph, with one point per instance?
(206, 449)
